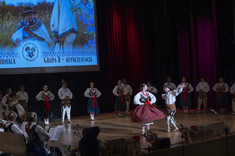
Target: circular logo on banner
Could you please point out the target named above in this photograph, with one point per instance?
(30, 51)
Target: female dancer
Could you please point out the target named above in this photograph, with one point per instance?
(145, 112)
(185, 97)
(120, 102)
(92, 94)
(45, 97)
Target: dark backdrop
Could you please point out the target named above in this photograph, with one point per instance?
(145, 40)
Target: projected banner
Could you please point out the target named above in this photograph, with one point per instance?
(49, 33)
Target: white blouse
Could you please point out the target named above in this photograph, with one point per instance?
(232, 89)
(204, 86)
(65, 92)
(40, 97)
(138, 96)
(219, 85)
(170, 97)
(96, 91)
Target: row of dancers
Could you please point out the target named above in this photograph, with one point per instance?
(202, 89)
(123, 91)
(17, 102)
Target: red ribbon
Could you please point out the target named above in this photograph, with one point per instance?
(121, 94)
(148, 102)
(47, 105)
(94, 101)
(185, 95)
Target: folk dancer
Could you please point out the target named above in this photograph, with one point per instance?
(120, 101)
(45, 97)
(23, 99)
(65, 95)
(221, 88)
(127, 91)
(202, 89)
(92, 94)
(145, 113)
(170, 99)
(185, 97)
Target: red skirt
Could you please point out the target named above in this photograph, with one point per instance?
(146, 113)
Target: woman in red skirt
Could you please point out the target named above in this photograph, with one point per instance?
(145, 113)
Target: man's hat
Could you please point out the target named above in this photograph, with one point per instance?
(63, 81)
(28, 10)
(167, 85)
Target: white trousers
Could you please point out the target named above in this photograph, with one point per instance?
(67, 110)
(171, 119)
(67, 45)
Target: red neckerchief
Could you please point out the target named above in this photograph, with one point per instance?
(185, 95)
(145, 96)
(47, 108)
(121, 93)
(28, 128)
(93, 98)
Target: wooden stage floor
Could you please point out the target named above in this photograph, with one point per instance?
(113, 127)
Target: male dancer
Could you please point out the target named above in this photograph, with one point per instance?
(65, 95)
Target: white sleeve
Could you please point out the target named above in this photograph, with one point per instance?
(61, 96)
(154, 90)
(197, 88)
(164, 96)
(16, 130)
(190, 88)
(51, 96)
(215, 87)
(226, 88)
(115, 91)
(27, 97)
(207, 88)
(232, 89)
(153, 98)
(177, 91)
(98, 93)
(70, 94)
(4, 100)
(55, 18)
(137, 99)
(86, 94)
(39, 96)
(18, 34)
(43, 135)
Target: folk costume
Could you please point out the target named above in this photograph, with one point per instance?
(23, 101)
(32, 31)
(45, 98)
(65, 95)
(221, 90)
(170, 99)
(145, 113)
(93, 107)
(202, 89)
(37, 137)
(232, 91)
(63, 24)
(120, 101)
(127, 91)
(185, 97)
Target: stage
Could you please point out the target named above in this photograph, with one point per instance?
(113, 127)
